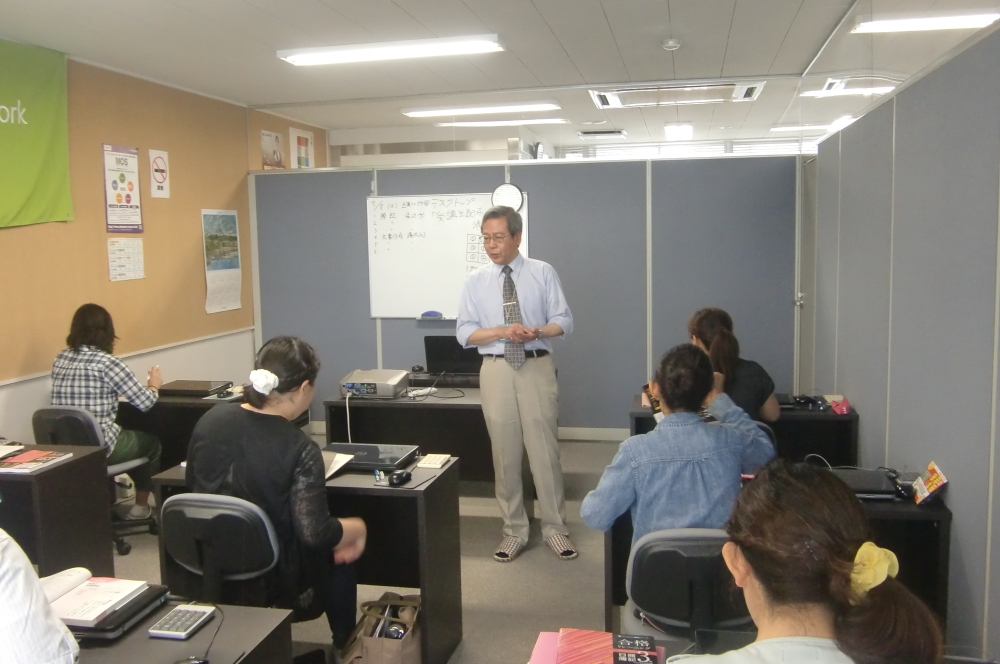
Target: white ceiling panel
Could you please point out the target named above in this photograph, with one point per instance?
(639, 28)
(758, 30)
(703, 27)
(555, 49)
(582, 29)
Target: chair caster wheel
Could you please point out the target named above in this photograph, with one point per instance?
(123, 548)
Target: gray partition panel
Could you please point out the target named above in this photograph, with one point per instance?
(588, 221)
(402, 339)
(865, 242)
(827, 255)
(944, 273)
(724, 236)
(313, 262)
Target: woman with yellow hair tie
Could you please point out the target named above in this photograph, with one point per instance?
(818, 589)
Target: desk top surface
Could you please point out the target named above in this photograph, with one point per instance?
(78, 452)
(446, 397)
(349, 482)
(242, 630)
(637, 410)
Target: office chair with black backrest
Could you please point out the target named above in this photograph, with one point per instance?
(220, 548)
(70, 425)
(677, 582)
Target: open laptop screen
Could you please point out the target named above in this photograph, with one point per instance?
(446, 355)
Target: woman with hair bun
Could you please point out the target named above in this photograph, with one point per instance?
(685, 473)
(254, 452)
(746, 382)
(817, 587)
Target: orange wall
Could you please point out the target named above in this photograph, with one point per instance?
(260, 121)
(48, 270)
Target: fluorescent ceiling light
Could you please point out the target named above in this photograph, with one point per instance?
(480, 110)
(841, 92)
(684, 132)
(927, 23)
(501, 123)
(417, 48)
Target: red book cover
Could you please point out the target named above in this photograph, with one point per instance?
(582, 646)
(25, 457)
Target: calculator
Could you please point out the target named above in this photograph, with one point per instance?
(182, 621)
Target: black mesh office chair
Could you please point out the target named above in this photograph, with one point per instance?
(677, 583)
(218, 548)
(69, 425)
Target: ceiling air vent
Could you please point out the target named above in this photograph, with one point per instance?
(603, 135)
(713, 93)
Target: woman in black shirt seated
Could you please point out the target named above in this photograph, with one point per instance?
(747, 384)
(253, 451)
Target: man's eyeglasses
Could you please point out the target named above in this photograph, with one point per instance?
(498, 238)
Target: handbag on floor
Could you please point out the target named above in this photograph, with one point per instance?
(372, 640)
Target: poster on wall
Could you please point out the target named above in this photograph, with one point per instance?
(121, 189)
(223, 277)
(159, 174)
(125, 258)
(34, 136)
(272, 150)
(302, 148)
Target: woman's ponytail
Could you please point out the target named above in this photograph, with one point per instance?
(889, 625)
(713, 327)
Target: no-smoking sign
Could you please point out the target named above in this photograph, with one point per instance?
(159, 174)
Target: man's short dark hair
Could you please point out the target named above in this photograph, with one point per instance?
(514, 223)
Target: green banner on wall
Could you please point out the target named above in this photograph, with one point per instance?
(34, 137)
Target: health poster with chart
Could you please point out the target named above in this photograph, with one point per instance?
(121, 189)
(223, 277)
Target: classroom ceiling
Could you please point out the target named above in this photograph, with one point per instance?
(554, 50)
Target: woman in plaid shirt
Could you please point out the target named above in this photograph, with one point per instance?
(87, 375)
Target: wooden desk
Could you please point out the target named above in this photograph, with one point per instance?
(172, 419)
(258, 636)
(797, 433)
(920, 537)
(61, 514)
(413, 542)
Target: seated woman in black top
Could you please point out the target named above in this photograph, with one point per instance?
(252, 451)
(747, 384)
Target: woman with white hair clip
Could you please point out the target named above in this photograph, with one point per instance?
(253, 451)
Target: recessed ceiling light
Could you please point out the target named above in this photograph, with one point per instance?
(417, 48)
(593, 123)
(842, 92)
(502, 123)
(682, 132)
(926, 23)
(481, 110)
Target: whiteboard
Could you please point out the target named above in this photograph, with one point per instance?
(421, 248)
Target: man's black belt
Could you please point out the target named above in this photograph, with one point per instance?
(527, 353)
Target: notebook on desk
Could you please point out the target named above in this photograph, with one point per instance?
(375, 457)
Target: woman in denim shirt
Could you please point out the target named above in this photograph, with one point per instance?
(685, 473)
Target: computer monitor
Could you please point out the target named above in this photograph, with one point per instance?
(445, 355)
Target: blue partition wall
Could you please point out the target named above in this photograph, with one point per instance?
(723, 234)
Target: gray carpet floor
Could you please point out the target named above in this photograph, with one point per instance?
(504, 606)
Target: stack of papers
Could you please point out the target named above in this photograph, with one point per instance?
(80, 600)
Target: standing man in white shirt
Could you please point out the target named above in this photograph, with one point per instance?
(510, 310)
(29, 632)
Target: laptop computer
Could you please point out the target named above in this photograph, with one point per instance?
(375, 457)
(194, 388)
(445, 355)
(868, 484)
(126, 617)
